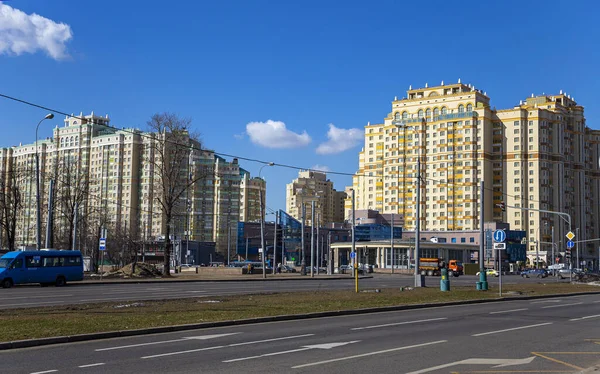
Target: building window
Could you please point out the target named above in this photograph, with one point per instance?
(420, 114)
(469, 108)
(444, 110)
(404, 115)
(436, 112)
(428, 113)
(461, 108)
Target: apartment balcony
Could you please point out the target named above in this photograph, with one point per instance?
(442, 117)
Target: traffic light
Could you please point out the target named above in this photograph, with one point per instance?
(502, 206)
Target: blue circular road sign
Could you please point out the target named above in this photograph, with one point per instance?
(570, 244)
(499, 236)
(352, 254)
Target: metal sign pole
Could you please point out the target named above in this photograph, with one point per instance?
(499, 272)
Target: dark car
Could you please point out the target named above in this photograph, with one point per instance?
(537, 273)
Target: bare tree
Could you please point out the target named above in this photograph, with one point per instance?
(168, 156)
(11, 202)
(72, 189)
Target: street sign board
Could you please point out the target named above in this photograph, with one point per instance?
(499, 236)
(352, 254)
(499, 245)
(570, 235)
(102, 244)
(570, 244)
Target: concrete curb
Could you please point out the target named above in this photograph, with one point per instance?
(163, 280)
(156, 330)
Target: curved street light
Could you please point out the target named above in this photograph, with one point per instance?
(37, 183)
(262, 222)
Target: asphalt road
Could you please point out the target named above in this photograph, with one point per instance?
(559, 335)
(34, 295)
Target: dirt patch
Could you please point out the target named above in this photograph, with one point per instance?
(139, 270)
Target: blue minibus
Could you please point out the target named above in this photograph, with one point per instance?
(44, 267)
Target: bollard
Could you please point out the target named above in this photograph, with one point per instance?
(444, 283)
(196, 269)
(482, 285)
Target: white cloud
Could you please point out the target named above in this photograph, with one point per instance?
(27, 33)
(274, 134)
(340, 140)
(322, 168)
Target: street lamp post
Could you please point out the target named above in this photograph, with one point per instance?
(37, 182)
(262, 223)
(418, 280)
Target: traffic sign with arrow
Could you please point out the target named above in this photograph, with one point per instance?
(499, 236)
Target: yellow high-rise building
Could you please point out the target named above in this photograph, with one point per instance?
(539, 155)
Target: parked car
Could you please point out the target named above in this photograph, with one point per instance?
(347, 269)
(490, 272)
(287, 269)
(538, 273)
(567, 273)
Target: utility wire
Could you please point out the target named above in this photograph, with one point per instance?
(144, 134)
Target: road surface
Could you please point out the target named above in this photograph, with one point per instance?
(559, 335)
(34, 295)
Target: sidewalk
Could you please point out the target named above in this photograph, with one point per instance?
(191, 276)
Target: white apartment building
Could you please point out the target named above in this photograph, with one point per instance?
(111, 168)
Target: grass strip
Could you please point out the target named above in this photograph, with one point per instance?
(51, 321)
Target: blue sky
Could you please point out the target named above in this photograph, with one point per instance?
(282, 81)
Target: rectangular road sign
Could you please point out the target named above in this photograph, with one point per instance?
(102, 244)
(499, 245)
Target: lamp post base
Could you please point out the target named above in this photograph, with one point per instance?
(419, 280)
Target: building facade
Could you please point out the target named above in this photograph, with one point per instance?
(108, 174)
(538, 155)
(313, 186)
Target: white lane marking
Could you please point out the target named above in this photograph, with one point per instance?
(559, 306)
(596, 301)
(202, 337)
(586, 317)
(36, 296)
(268, 354)
(508, 311)
(222, 346)
(91, 365)
(498, 362)
(43, 372)
(41, 302)
(270, 340)
(182, 352)
(397, 323)
(546, 301)
(512, 329)
(368, 354)
(305, 348)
